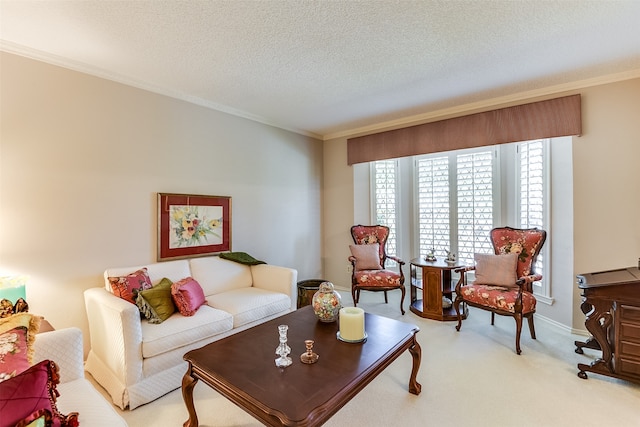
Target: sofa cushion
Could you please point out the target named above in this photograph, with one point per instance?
(187, 295)
(82, 397)
(27, 394)
(156, 303)
(172, 270)
(250, 304)
(128, 285)
(178, 331)
(17, 336)
(217, 275)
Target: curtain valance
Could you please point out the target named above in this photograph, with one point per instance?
(544, 119)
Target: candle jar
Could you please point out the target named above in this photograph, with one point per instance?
(352, 325)
(326, 303)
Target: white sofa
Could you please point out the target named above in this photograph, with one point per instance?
(137, 362)
(77, 394)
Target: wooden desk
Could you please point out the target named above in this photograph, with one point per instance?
(433, 279)
(612, 306)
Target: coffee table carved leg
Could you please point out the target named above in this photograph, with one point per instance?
(416, 352)
(188, 383)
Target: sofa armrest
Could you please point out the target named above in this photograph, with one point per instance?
(276, 279)
(63, 346)
(115, 334)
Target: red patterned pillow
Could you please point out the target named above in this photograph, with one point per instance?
(188, 296)
(17, 334)
(127, 287)
(24, 397)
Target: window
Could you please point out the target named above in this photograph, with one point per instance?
(533, 191)
(455, 202)
(458, 197)
(385, 201)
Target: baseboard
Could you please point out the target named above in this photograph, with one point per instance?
(563, 327)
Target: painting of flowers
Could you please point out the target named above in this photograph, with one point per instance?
(193, 225)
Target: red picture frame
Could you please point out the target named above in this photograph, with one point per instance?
(191, 225)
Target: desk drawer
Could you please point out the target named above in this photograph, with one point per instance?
(628, 367)
(629, 313)
(630, 331)
(629, 349)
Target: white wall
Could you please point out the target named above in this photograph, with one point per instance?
(81, 162)
(606, 199)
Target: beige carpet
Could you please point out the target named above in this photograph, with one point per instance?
(469, 378)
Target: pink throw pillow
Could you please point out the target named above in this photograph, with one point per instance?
(497, 270)
(127, 287)
(188, 296)
(367, 256)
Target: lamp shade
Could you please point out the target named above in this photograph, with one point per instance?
(13, 288)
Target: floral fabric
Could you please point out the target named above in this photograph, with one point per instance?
(370, 234)
(377, 278)
(498, 297)
(127, 287)
(17, 335)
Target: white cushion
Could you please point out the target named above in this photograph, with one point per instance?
(217, 275)
(80, 396)
(250, 304)
(178, 330)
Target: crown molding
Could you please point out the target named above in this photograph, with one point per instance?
(59, 61)
(484, 104)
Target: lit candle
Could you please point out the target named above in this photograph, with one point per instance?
(352, 323)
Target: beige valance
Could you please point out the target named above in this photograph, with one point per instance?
(544, 119)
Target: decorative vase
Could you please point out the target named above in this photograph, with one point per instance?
(326, 303)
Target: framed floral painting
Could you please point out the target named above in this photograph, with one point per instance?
(191, 225)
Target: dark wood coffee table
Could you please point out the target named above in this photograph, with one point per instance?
(241, 367)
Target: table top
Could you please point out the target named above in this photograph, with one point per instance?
(609, 278)
(439, 263)
(242, 366)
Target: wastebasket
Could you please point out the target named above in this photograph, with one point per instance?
(306, 289)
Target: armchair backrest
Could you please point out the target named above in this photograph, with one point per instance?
(527, 243)
(370, 234)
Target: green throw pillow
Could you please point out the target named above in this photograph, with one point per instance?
(156, 303)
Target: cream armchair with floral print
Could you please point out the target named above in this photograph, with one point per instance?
(504, 282)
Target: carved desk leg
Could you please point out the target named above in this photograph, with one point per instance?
(586, 307)
(188, 383)
(598, 322)
(416, 352)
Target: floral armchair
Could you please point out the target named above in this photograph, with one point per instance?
(504, 282)
(368, 257)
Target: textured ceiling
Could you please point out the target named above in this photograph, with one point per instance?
(327, 68)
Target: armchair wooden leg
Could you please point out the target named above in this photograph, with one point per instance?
(456, 305)
(518, 318)
(532, 328)
(402, 300)
(353, 295)
(493, 317)
(386, 300)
